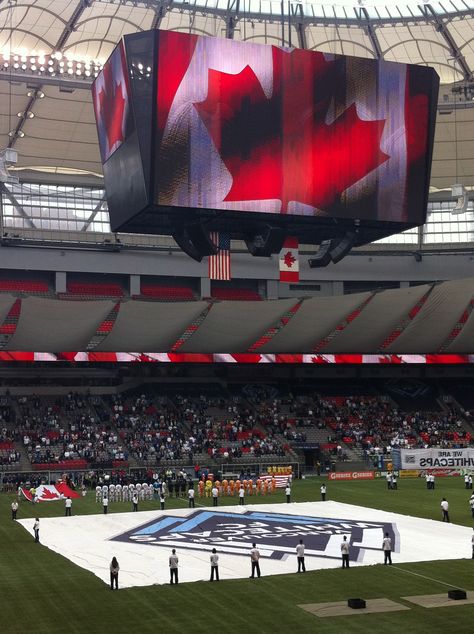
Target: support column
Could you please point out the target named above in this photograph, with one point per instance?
(60, 282)
(205, 287)
(338, 288)
(272, 289)
(135, 285)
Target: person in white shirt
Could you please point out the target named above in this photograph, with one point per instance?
(323, 492)
(191, 500)
(428, 481)
(254, 558)
(470, 482)
(241, 495)
(135, 502)
(105, 504)
(471, 504)
(68, 505)
(288, 493)
(445, 510)
(162, 500)
(173, 561)
(466, 481)
(36, 529)
(345, 552)
(215, 495)
(214, 565)
(432, 482)
(387, 550)
(472, 542)
(300, 556)
(14, 509)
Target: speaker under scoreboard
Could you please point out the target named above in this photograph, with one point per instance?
(229, 136)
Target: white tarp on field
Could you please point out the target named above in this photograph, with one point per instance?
(142, 541)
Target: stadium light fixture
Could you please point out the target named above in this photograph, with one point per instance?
(459, 191)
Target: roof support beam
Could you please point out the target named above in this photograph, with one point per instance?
(297, 20)
(443, 30)
(160, 11)
(363, 15)
(374, 41)
(71, 24)
(231, 19)
(94, 213)
(8, 194)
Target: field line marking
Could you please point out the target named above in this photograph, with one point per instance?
(417, 574)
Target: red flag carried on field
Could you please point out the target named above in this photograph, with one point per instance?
(219, 264)
(50, 492)
(289, 261)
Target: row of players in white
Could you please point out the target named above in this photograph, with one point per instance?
(125, 493)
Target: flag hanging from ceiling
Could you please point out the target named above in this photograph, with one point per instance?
(289, 261)
(219, 264)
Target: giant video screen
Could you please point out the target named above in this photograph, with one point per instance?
(246, 127)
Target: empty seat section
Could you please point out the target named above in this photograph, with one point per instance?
(236, 294)
(167, 293)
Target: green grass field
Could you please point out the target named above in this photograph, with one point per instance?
(41, 591)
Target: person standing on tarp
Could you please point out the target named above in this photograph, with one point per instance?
(300, 556)
(214, 558)
(323, 492)
(114, 572)
(36, 529)
(173, 561)
(387, 550)
(345, 552)
(254, 558)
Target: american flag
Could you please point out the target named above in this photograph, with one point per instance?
(219, 264)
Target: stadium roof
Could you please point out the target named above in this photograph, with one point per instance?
(426, 319)
(48, 113)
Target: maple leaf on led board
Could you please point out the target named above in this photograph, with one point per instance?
(281, 147)
(288, 259)
(112, 106)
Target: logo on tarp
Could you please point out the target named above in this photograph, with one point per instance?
(275, 533)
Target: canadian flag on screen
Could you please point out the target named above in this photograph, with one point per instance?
(289, 261)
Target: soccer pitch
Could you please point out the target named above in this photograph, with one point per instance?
(44, 592)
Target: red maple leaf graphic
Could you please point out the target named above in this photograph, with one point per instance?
(49, 495)
(112, 106)
(281, 147)
(288, 259)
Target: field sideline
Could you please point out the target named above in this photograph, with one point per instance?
(43, 592)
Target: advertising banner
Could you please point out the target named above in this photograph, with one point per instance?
(352, 475)
(437, 458)
(410, 473)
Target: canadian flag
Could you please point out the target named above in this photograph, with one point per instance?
(289, 261)
(50, 492)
